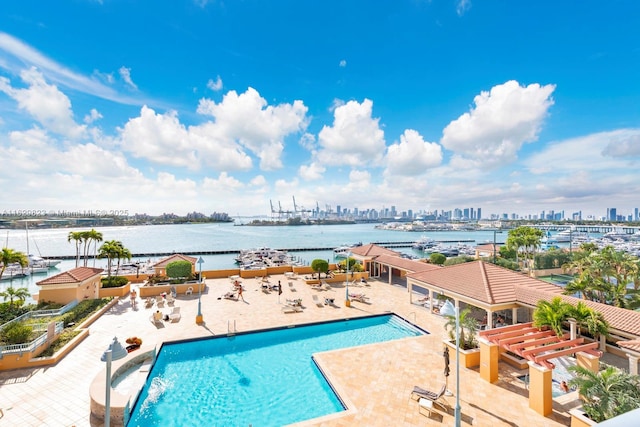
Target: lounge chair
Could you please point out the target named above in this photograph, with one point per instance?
(148, 303)
(359, 297)
(156, 318)
(330, 301)
(189, 291)
(315, 299)
(291, 288)
(159, 301)
(421, 393)
(291, 309)
(174, 316)
(230, 295)
(170, 299)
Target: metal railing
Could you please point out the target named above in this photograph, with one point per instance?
(41, 313)
(30, 346)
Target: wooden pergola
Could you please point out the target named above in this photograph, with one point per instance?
(537, 345)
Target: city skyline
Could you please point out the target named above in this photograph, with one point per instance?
(199, 105)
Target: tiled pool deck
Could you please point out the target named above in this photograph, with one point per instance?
(376, 379)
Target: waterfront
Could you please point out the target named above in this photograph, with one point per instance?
(52, 242)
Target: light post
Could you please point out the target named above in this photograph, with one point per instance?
(114, 352)
(347, 301)
(199, 316)
(494, 244)
(457, 415)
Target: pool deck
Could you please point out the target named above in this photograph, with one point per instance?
(374, 380)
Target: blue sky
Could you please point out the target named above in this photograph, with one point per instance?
(176, 106)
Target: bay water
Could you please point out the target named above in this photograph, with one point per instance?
(146, 239)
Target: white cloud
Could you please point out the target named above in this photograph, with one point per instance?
(125, 74)
(311, 172)
(14, 54)
(413, 155)
(215, 85)
(44, 102)
(354, 139)
(343, 63)
(308, 141)
(501, 122)
(463, 6)
(247, 119)
(623, 145)
(92, 116)
(224, 183)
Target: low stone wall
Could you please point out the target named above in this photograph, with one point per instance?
(120, 291)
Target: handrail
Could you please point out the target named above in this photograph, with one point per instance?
(30, 346)
(41, 313)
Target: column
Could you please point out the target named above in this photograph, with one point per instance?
(633, 364)
(540, 397)
(489, 356)
(514, 315)
(588, 361)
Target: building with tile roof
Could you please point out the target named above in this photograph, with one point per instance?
(76, 284)
(161, 266)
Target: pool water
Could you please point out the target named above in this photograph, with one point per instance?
(260, 379)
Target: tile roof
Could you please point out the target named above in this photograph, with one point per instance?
(620, 319)
(175, 257)
(372, 250)
(76, 275)
(633, 345)
(482, 281)
(405, 264)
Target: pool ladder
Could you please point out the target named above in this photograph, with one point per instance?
(231, 327)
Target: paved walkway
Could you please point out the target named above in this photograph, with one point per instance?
(377, 388)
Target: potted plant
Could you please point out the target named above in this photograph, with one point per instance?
(604, 394)
(469, 350)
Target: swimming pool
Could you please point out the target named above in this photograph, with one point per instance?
(263, 378)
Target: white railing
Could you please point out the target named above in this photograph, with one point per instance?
(41, 313)
(30, 346)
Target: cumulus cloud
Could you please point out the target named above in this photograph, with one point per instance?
(311, 172)
(412, 155)
(355, 137)
(502, 120)
(92, 116)
(215, 85)
(247, 119)
(224, 182)
(44, 102)
(125, 74)
(343, 63)
(308, 141)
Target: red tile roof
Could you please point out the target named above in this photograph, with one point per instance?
(482, 281)
(633, 345)
(408, 265)
(175, 257)
(372, 250)
(76, 275)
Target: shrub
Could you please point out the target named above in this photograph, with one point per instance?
(177, 269)
(114, 281)
(16, 333)
(437, 258)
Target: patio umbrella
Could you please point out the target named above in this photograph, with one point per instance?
(445, 354)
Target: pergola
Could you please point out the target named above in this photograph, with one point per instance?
(537, 346)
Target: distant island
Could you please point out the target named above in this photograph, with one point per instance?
(296, 222)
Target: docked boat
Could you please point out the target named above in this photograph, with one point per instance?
(344, 250)
(424, 243)
(568, 235)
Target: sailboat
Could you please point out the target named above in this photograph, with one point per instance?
(37, 264)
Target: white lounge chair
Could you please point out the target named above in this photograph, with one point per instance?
(170, 299)
(174, 316)
(156, 318)
(159, 301)
(315, 299)
(189, 291)
(148, 303)
(291, 288)
(291, 309)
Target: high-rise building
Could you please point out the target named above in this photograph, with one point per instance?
(479, 216)
(612, 214)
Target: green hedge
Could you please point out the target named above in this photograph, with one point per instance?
(16, 333)
(114, 281)
(83, 310)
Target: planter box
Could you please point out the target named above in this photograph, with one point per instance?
(468, 358)
(579, 419)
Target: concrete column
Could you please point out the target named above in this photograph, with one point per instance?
(489, 356)
(390, 275)
(633, 364)
(514, 315)
(603, 343)
(588, 361)
(572, 328)
(540, 397)
(489, 319)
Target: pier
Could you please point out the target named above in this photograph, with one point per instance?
(237, 251)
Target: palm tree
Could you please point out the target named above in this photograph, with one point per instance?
(10, 256)
(21, 294)
(77, 237)
(113, 249)
(551, 314)
(87, 238)
(607, 393)
(588, 319)
(524, 240)
(468, 326)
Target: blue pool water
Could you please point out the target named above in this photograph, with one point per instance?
(260, 379)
